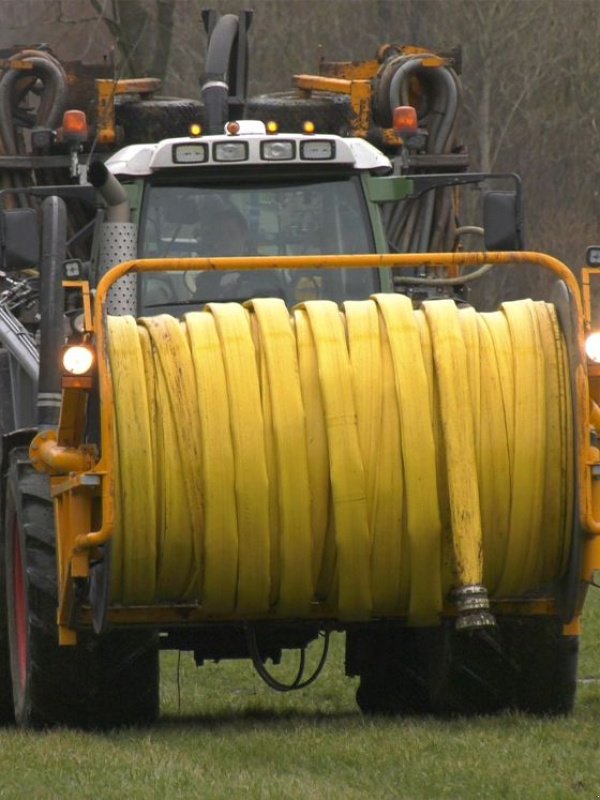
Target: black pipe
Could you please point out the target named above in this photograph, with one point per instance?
(214, 83)
(52, 336)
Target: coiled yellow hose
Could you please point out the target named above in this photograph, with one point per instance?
(368, 460)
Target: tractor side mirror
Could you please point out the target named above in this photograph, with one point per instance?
(19, 239)
(502, 221)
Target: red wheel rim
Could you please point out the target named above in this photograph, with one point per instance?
(19, 608)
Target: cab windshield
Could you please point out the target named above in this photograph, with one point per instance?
(297, 218)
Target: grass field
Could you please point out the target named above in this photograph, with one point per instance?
(225, 735)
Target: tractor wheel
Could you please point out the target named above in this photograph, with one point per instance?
(523, 663)
(102, 681)
(469, 672)
(547, 664)
(160, 118)
(331, 113)
(7, 715)
(392, 670)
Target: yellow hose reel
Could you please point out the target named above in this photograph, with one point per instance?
(360, 462)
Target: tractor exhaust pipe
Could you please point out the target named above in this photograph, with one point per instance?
(111, 190)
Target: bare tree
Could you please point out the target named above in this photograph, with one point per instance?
(529, 71)
(142, 31)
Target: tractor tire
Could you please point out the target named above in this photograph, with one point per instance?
(331, 113)
(6, 425)
(469, 672)
(392, 670)
(523, 664)
(101, 682)
(7, 414)
(160, 118)
(7, 715)
(547, 664)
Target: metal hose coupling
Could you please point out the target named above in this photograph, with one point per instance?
(473, 607)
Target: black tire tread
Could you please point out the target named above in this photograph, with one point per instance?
(102, 681)
(548, 660)
(331, 113)
(156, 119)
(523, 663)
(393, 672)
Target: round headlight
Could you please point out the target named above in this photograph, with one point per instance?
(78, 359)
(592, 347)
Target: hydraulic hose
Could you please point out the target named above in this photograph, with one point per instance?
(52, 336)
(49, 71)
(13, 84)
(411, 224)
(443, 103)
(368, 462)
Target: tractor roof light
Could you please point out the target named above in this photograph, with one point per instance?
(78, 359)
(592, 347)
(195, 129)
(277, 150)
(190, 153)
(230, 151)
(317, 150)
(308, 127)
(272, 126)
(405, 121)
(245, 127)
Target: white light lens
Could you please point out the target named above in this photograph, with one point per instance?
(231, 151)
(78, 359)
(72, 269)
(277, 151)
(193, 153)
(317, 150)
(593, 256)
(592, 347)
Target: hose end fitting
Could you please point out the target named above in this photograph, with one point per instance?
(473, 607)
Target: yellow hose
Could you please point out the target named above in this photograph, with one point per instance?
(364, 462)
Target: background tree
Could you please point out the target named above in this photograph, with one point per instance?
(529, 67)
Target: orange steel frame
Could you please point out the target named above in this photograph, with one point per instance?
(80, 479)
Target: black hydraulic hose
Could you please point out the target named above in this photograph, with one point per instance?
(398, 95)
(447, 97)
(49, 71)
(445, 103)
(399, 84)
(441, 117)
(443, 234)
(52, 337)
(443, 112)
(442, 105)
(46, 69)
(214, 83)
(299, 681)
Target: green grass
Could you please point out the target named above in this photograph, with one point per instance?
(230, 737)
